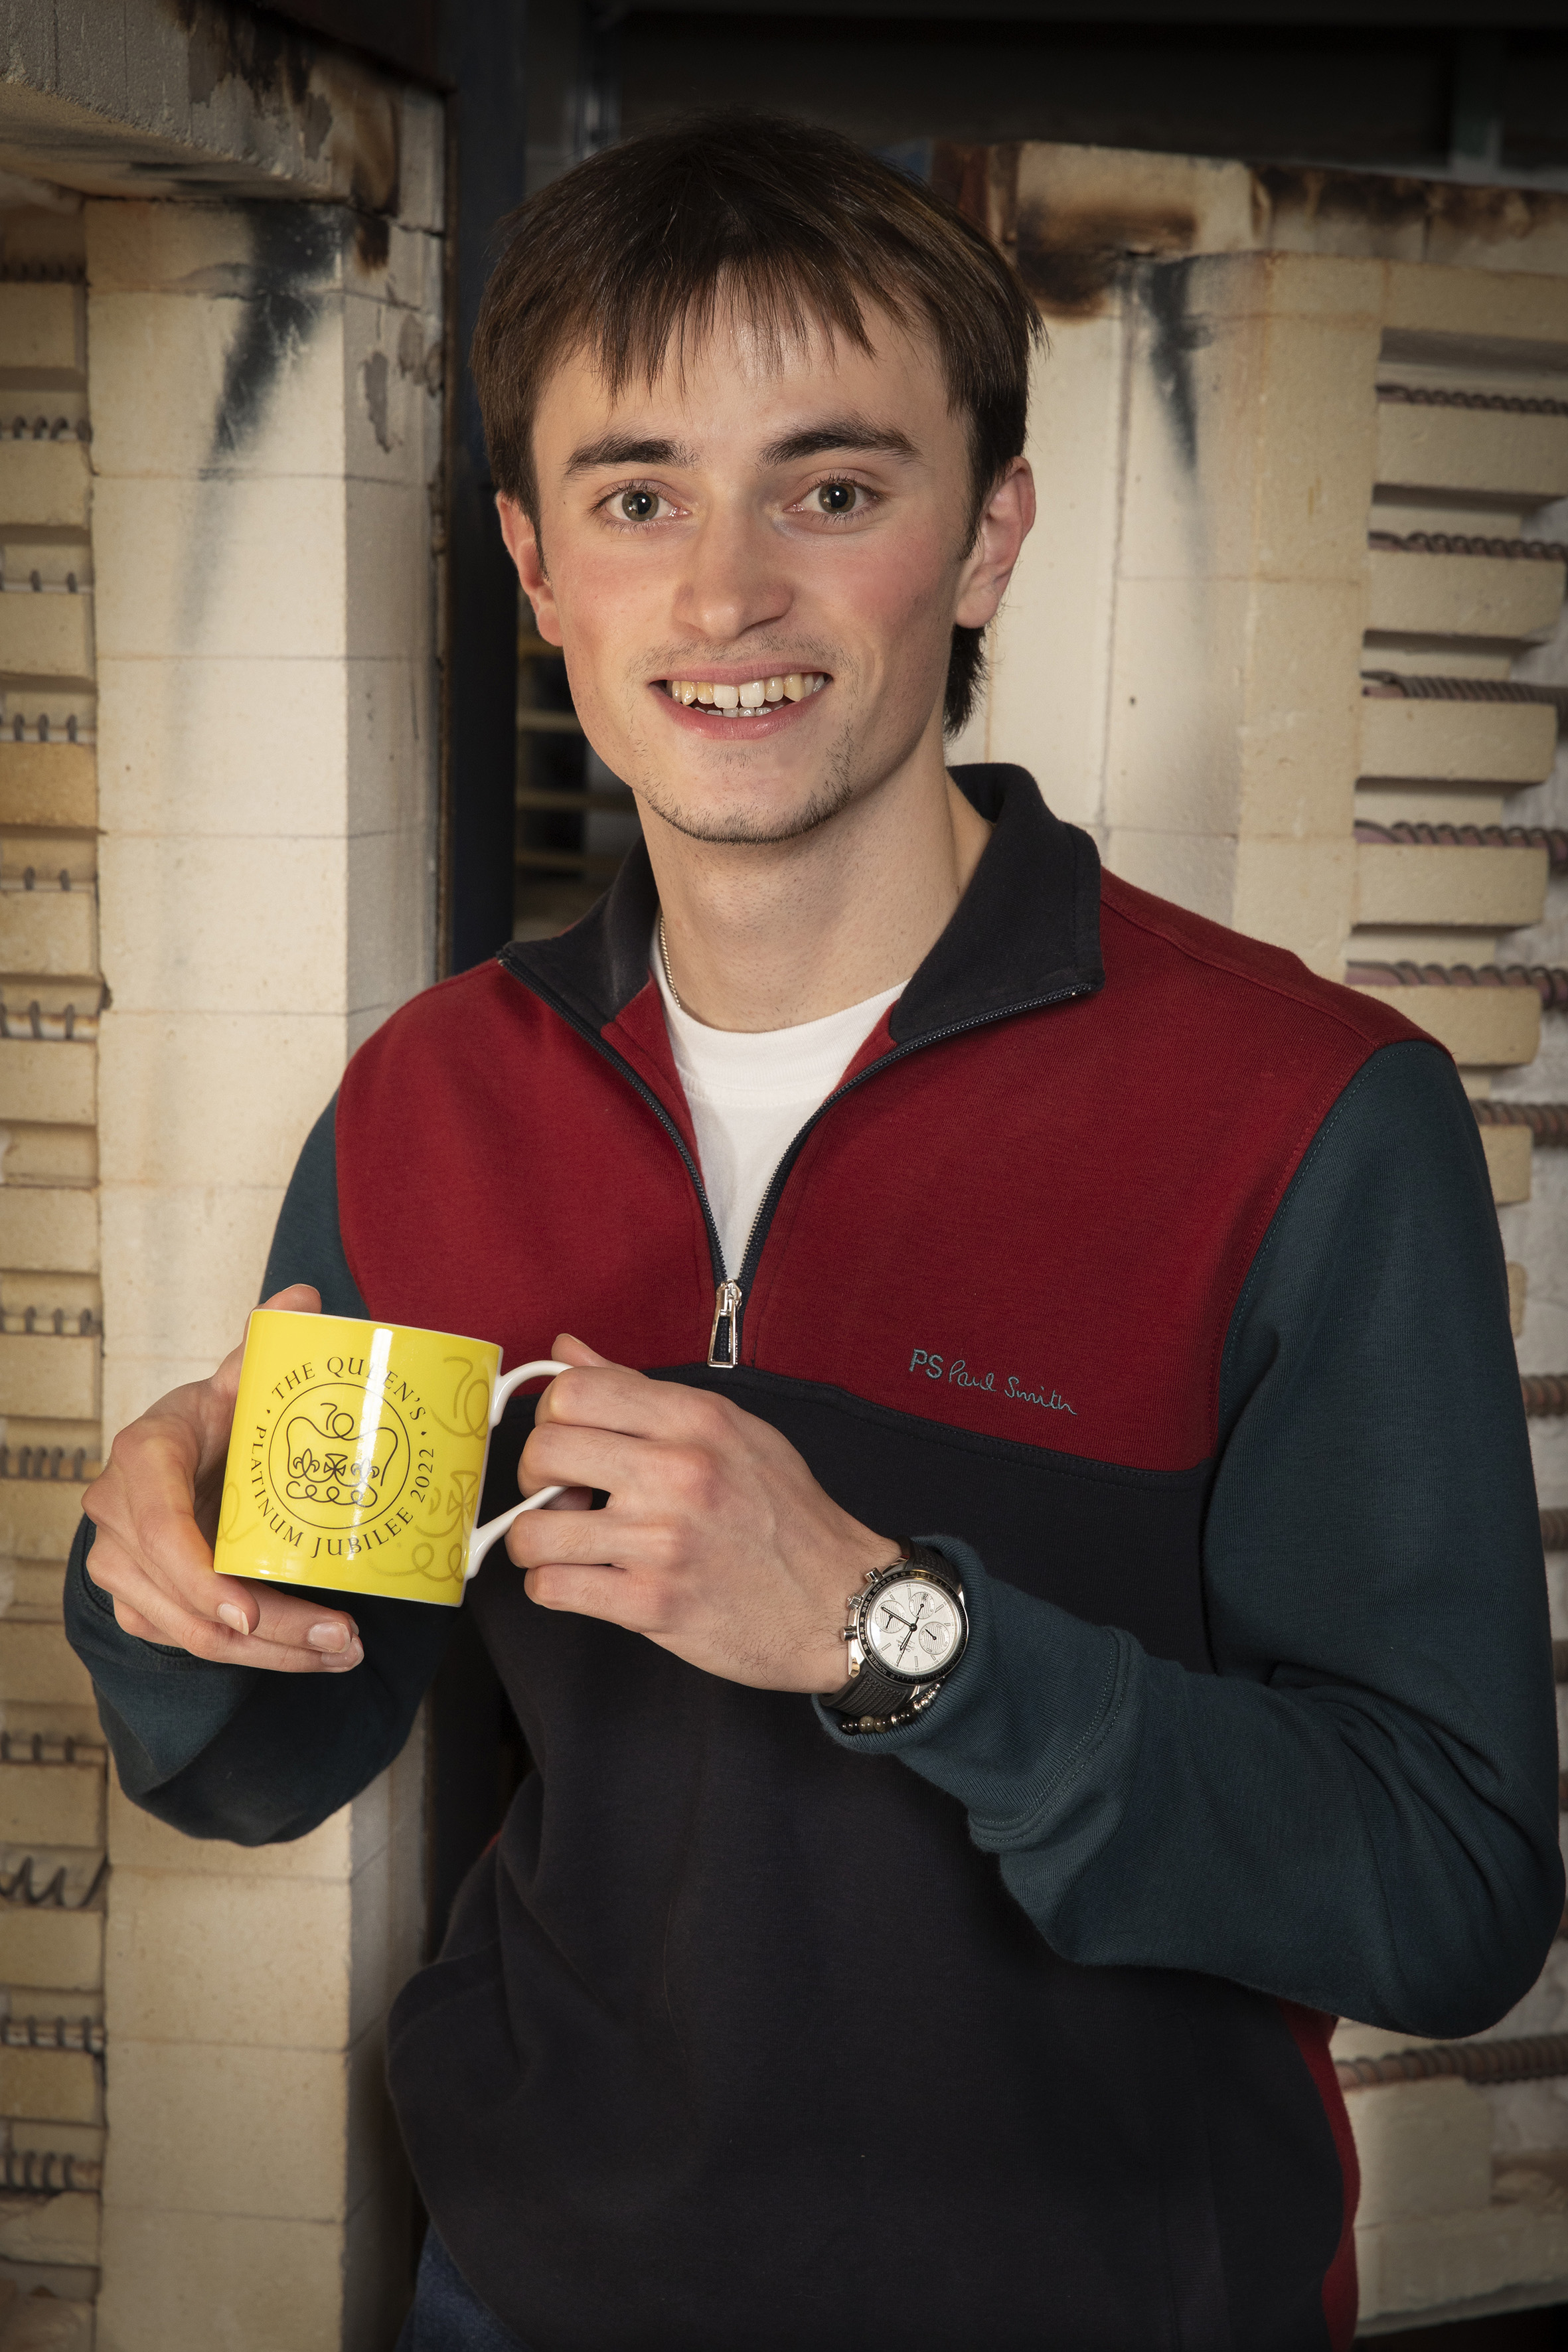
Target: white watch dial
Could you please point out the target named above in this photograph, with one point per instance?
(912, 1628)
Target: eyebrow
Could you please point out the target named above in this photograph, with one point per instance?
(811, 441)
(837, 433)
(627, 449)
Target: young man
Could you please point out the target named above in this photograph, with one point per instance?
(903, 1178)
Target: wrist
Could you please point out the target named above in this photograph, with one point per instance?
(865, 1556)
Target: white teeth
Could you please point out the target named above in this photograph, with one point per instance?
(725, 698)
(753, 694)
(774, 689)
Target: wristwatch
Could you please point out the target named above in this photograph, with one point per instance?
(908, 1629)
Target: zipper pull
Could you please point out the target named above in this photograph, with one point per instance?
(724, 1341)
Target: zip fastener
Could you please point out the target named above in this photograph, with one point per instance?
(729, 1295)
(722, 1341)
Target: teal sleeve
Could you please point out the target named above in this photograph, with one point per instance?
(231, 1751)
(1358, 1810)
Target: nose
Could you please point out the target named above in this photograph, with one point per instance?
(734, 579)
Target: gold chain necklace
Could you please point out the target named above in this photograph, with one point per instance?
(664, 954)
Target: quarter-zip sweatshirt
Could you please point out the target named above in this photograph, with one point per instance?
(748, 1090)
(1157, 1282)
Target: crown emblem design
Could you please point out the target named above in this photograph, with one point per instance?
(328, 1462)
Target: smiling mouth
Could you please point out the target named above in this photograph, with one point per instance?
(745, 701)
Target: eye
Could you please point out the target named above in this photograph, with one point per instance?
(837, 497)
(637, 506)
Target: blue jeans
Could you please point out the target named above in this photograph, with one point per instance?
(448, 2316)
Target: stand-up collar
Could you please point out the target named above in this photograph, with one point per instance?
(1025, 930)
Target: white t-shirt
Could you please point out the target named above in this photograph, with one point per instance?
(751, 1093)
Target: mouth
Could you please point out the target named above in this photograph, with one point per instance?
(751, 698)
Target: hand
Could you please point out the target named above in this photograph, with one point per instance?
(717, 1542)
(155, 1509)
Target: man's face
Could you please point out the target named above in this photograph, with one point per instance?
(753, 567)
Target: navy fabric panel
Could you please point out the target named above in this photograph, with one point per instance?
(666, 1915)
(1115, 1547)
(307, 1242)
(709, 2011)
(1263, 2127)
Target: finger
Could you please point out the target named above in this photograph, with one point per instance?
(568, 1350)
(569, 1455)
(294, 1298)
(268, 1620)
(594, 1591)
(287, 1632)
(218, 1644)
(610, 1397)
(255, 1613)
(131, 1621)
(282, 1619)
(593, 1538)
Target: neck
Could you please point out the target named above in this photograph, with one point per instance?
(767, 935)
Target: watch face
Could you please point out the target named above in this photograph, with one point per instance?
(913, 1627)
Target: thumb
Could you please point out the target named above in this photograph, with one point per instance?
(294, 1298)
(570, 1350)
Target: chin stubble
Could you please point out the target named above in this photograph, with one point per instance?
(833, 794)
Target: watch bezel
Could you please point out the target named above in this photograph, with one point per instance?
(904, 1571)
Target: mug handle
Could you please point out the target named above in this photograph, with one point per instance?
(482, 1538)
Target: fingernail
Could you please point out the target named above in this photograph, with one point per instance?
(231, 1615)
(351, 1657)
(329, 1637)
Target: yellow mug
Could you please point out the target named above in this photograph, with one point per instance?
(357, 1457)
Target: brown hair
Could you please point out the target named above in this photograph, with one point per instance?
(644, 243)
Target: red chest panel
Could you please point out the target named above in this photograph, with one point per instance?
(1035, 1230)
(498, 1176)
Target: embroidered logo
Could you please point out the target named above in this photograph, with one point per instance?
(1015, 1391)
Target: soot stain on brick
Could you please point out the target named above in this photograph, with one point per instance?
(335, 102)
(293, 249)
(1174, 340)
(1383, 209)
(376, 374)
(366, 128)
(372, 241)
(1072, 259)
(223, 46)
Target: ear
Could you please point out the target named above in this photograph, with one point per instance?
(1006, 521)
(522, 546)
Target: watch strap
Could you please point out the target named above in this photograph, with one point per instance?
(871, 1692)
